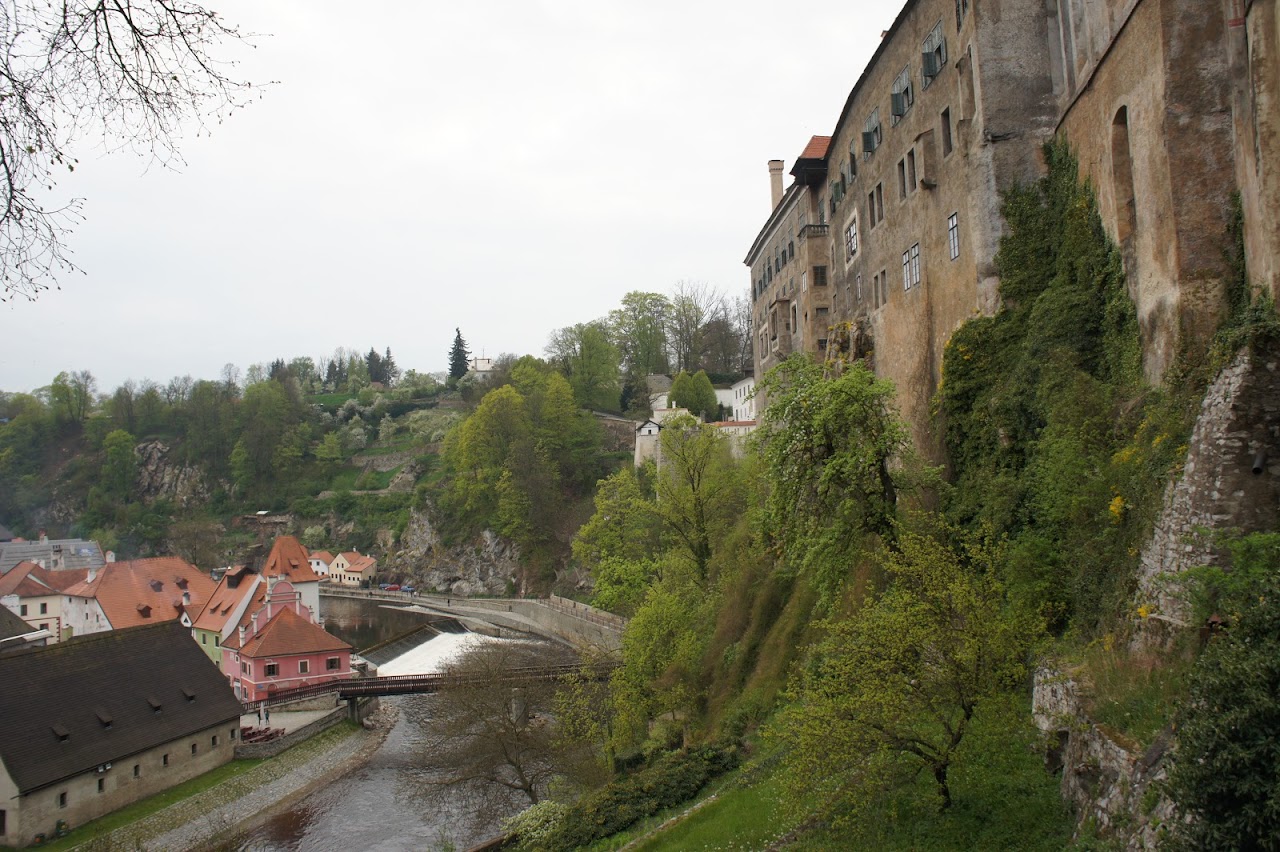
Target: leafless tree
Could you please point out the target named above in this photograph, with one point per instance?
(692, 304)
(496, 744)
(132, 71)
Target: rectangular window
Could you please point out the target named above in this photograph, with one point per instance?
(822, 344)
(22, 609)
(102, 785)
(934, 56)
(911, 267)
(872, 133)
(947, 144)
(164, 760)
(962, 6)
(822, 312)
(953, 235)
(44, 609)
(204, 638)
(217, 641)
(271, 669)
(194, 749)
(851, 238)
(902, 178)
(62, 800)
(879, 197)
(214, 741)
(137, 770)
(303, 666)
(819, 276)
(331, 664)
(912, 183)
(902, 97)
(3, 830)
(857, 285)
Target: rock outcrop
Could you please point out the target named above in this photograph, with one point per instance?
(485, 566)
(160, 478)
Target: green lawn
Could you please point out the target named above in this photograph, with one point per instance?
(740, 817)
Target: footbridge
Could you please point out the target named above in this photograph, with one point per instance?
(353, 689)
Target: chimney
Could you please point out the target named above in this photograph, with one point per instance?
(775, 181)
(243, 633)
(111, 556)
(186, 599)
(93, 573)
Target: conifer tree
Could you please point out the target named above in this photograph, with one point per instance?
(459, 357)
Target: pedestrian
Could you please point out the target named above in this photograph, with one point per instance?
(267, 711)
(259, 715)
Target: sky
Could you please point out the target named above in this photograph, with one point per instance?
(504, 167)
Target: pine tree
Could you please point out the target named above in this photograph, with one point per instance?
(459, 357)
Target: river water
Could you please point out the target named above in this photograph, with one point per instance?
(387, 805)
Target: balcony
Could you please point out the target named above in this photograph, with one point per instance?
(814, 231)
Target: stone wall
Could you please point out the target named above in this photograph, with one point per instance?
(1220, 487)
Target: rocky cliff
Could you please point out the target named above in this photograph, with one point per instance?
(162, 478)
(489, 565)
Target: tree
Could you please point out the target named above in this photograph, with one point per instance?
(120, 466)
(71, 394)
(459, 357)
(639, 331)
(696, 394)
(699, 493)
(134, 73)
(827, 442)
(1226, 770)
(692, 306)
(589, 361)
(894, 687)
(497, 742)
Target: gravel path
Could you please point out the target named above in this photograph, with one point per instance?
(239, 803)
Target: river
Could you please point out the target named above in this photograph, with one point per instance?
(385, 806)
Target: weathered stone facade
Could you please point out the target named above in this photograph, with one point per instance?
(1169, 104)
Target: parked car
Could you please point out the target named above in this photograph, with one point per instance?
(384, 586)
(410, 589)
(394, 587)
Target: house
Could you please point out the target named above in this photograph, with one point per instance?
(144, 591)
(240, 592)
(648, 433)
(52, 554)
(351, 569)
(16, 634)
(289, 560)
(320, 562)
(103, 721)
(744, 400)
(52, 600)
(279, 647)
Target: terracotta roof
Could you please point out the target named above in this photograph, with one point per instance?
(287, 633)
(323, 555)
(358, 564)
(226, 597)
(144, 591)
(289, 559)
(104, 697)
(26, 580)
(816, 149)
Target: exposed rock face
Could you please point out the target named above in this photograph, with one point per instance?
(159, 478)
(481, 567)
(1110, 781)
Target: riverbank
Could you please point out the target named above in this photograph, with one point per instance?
(208, 820)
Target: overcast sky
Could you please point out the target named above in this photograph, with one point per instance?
(507, 167)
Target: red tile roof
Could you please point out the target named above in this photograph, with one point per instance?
(323, 555)
(816, 149)
(289, 560)
(225, 598)
(287, 633)
(145, 591)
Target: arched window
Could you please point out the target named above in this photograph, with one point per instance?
(1122, 178)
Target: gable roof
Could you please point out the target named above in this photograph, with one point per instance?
(286, 634)
(11, 625)
(145, 591)
(74, 712)
(359, 564)
(323, 555)
(226, 597)
(289, 560)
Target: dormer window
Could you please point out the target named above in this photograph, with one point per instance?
(190, 695)
(104, 718)
(156, 585)
(155, 704)
(181, 583)
(144, 610)
(61, 733)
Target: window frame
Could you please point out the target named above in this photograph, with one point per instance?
(903, 88)
(953, 235)
(933, 49)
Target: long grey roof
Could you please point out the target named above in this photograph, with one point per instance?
(74, 706)
(75, 552)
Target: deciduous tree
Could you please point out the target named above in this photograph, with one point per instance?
(132, 73)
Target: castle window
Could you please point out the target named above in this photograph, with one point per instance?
(851, 238)
(911, 267)
(875, 205)
(903, 96)
(962, 6)
(819, 276)
(953, 235)
(947, 144)
(934, 56)
(872, 133)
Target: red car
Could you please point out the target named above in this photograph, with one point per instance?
(393, 588)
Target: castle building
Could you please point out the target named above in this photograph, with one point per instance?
(885, 242)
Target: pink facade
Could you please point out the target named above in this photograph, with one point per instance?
(280, 647)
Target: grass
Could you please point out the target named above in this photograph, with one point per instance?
(397, 447)
(330, 400)
(741, 817)
(350, 479)
(147, 807)
(1134, 693)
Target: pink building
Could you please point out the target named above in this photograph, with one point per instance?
(279, 647)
